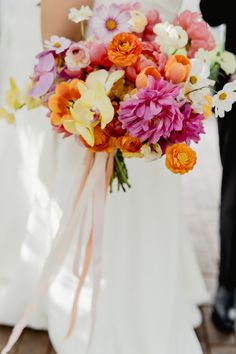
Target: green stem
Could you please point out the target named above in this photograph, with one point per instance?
(121, 171)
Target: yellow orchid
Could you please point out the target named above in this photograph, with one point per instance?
(4, 114)
(13, 96)
(207, 107)
(94, 102)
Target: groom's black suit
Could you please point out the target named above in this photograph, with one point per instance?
(216, 13)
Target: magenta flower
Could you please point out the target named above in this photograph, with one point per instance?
(154, 113)
(44, 74)
(197, 30)
(109, 21)
(192, 127)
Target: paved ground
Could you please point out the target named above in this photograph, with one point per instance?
(201, 189)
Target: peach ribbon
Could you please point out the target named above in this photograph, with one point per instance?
(98, 169)
(94, 244)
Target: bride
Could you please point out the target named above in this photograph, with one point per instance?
(151, 281)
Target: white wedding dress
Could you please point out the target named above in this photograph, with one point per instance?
(151, 281)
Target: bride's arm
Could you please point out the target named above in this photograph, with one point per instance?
(54, 18)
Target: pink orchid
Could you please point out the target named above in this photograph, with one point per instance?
(197, 30)
(44, 74)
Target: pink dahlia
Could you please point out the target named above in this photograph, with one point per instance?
(192, 127)
(197, 30)
(153, 113)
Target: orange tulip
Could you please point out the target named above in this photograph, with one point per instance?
(142, 78)
(60, 102)
(180, 158)
(124, 49)
(177, 68)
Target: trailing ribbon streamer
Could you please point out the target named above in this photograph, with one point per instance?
(94, 168)
(95, 241)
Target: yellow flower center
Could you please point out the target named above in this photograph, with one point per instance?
(193, 80)
(183, 158)
(111, 24)
(57, 45)
(223, 96)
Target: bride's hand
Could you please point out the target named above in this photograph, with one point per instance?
(54, 18)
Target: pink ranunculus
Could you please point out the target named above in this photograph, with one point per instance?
(77, 57)
(142, 63)
(152, 51)
(98, 55)
(153, 17)
(197, 30)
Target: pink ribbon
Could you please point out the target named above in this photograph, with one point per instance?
(94, 184)
(94, 243)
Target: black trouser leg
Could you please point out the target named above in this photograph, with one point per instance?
(227, 137)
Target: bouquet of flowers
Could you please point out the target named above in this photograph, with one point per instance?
(135, 87)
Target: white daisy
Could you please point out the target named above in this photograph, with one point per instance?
(57, 44)
(224, 99)
(198, 77)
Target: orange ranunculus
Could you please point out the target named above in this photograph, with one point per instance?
(124, 49)
(142, 78)
(129, 144)
(60, 102)
(102, 141)
(177, 68)
(180, 158)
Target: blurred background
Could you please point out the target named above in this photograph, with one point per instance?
(19, 41)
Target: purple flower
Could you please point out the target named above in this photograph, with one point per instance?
(44, 74)
(154, 113)
(192, 127)
(109, 21)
